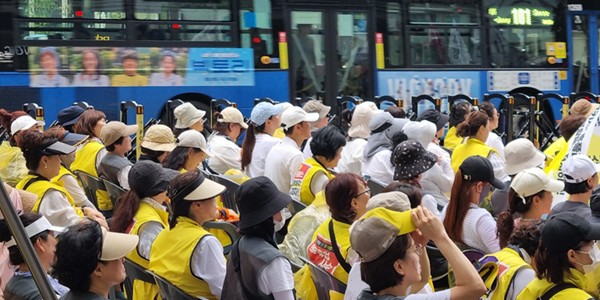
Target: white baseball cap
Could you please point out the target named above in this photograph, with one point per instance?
(532, 181)
(579, 168)
(193, 139)
(23, 123)
(295, 115)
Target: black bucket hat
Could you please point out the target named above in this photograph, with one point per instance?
(411, 159)
(259, 199)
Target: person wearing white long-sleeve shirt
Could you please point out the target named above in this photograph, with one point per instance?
(352, 155)
(42, 156)
(264, 120)
(315, 106)
(493, 139)
(439, 179)
(463, 219)
(285, 158)
(230, 124)
(186, 254)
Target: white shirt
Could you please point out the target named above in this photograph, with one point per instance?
(379, 167)
(479, 230)
(79, 198)
(209, 264)
(307, 151)
(227, 154)
(57, 209)
(123, 177)
(522, 279)
(495, 142)
(277, 278)
(498, 165)
(352, 157)
(262, 147)
(430, 203)
(439, 179)
(356, 285)
(284, 161)
(147, 234)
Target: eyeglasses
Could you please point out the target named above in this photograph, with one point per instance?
(367, 190)
(418, 249)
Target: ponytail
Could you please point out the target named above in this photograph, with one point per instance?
(506, 221)
(125, 211)
(472, 123)
(250, 142)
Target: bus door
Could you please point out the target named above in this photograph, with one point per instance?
(584, 46)
(330, 53)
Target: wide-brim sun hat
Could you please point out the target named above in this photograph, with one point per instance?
(520, 155)
(116, 245)
(411, 159)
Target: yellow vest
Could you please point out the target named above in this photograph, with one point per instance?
(279, 133)
(510, 262)
(171, 257)
(467, 149)
(145, 213)
(451, 140)
(300, 188)
(324, 256)
(555, 154)
(63, 171)
(41, 187)
(538, 287)
(85, 161)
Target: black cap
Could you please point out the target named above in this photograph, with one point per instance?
(74, 139)
(54, 147)
(479, 168)
(69, 115)
(566, 230)
(440, 120)
(411, 159)
(259, 199)
(148, 178)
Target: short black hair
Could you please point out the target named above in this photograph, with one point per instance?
(111, 147)
(595, 201)
(577, 188)
(380, 273)
(77, 255)
(327, 141)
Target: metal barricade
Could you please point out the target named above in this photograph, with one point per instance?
(139, 120)
(36, 111)
(415, 100)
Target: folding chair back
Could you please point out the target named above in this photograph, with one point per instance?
(90, 185)
(228, 228)
(324, 282)
(135, 271)
(114, 192)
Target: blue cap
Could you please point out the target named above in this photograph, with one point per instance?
(69, 115)
(263, 111)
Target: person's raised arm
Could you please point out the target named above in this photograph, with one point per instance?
(469, 284)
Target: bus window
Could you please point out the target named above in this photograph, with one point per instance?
(256, 31)
(72, 30)
(67, 9)
(393, 38)
(443, 32)
(184, 10)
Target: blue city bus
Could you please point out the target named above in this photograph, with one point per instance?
(282, 49)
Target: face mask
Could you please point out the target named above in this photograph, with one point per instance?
(279, 224)
(594, 254)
